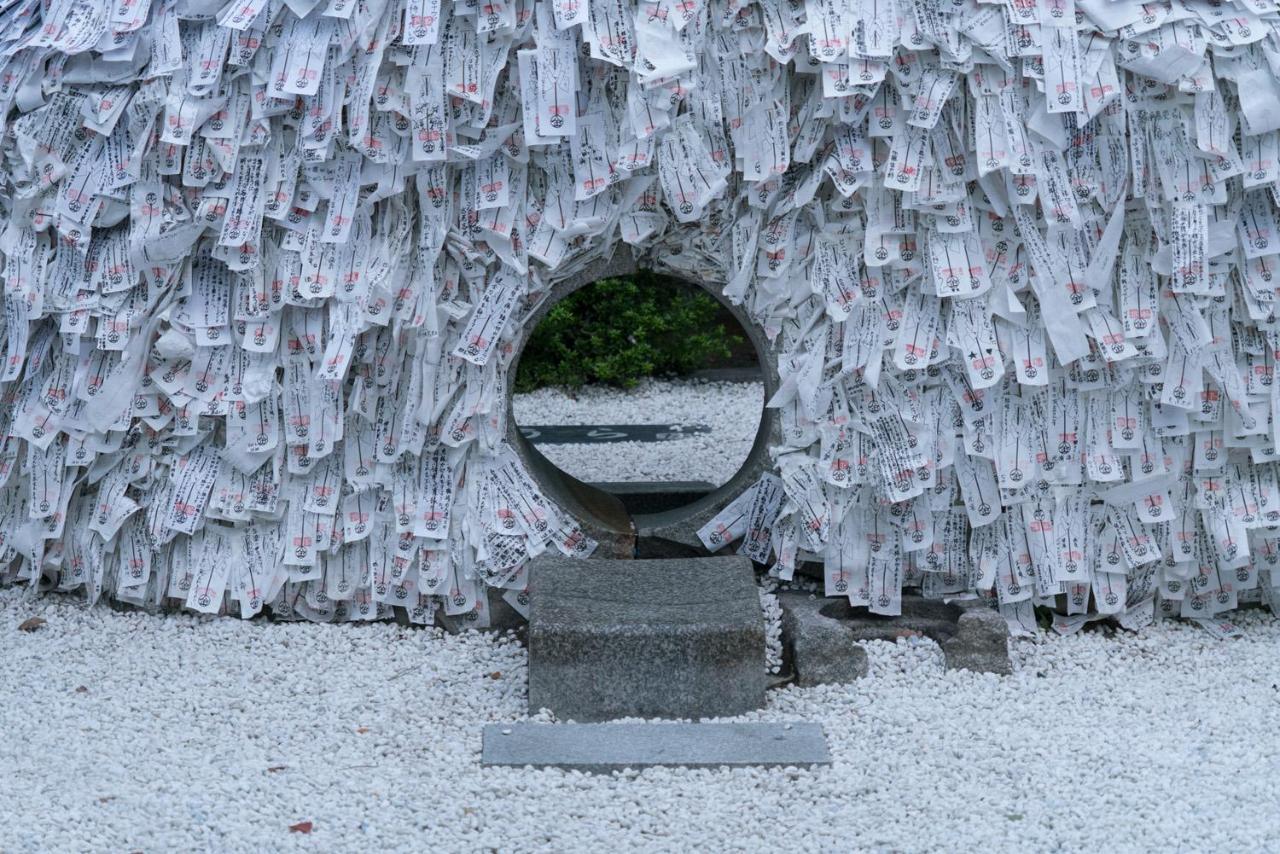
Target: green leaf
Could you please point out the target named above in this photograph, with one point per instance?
(619, 330)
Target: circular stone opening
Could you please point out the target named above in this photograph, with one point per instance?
(645, 387)
(657, 461)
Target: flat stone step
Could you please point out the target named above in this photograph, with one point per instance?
(601, 748)
(675, 638)
(655, 496)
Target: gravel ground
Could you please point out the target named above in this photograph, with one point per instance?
(732, 410)
(123, 731)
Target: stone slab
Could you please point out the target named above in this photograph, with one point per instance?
(601, 748)
(673, 638)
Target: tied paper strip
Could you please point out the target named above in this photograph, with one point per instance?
(265, 266)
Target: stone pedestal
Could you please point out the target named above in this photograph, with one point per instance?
(645, 638)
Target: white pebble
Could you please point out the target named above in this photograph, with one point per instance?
(213, 734)
(731, 410)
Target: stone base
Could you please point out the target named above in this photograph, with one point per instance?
(820, 649)
(645, 638)
(972, 636)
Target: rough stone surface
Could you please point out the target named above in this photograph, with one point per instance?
(972, 636)
(821, 650)
(601, 748)
(980, 644)
(645, 638)
(651, 548)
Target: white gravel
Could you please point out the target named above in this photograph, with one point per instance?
(732, 410)
(1166, 739)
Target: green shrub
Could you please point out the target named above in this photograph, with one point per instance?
(617, 331)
